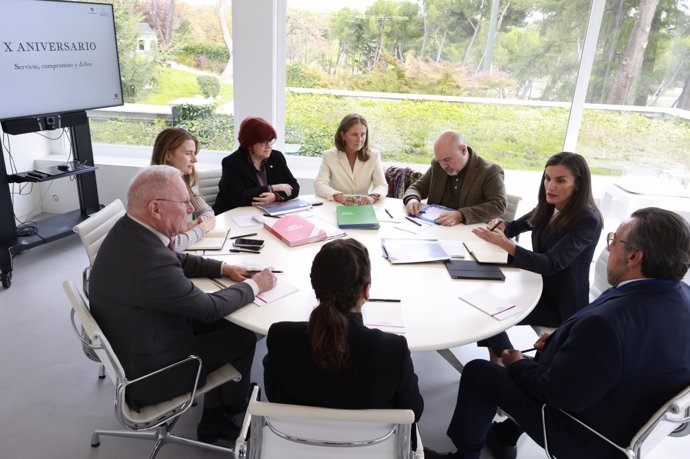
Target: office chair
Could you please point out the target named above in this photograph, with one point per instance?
(398, 179)
(91, 232)
(600, 283)
(153, 421)
(512, 202)
(276, 430)
(207, 182)
(671, 419)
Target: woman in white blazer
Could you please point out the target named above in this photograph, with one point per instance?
(351, 173)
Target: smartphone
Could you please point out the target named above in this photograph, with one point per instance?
(249, 243)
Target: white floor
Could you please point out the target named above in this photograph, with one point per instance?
(50, 398)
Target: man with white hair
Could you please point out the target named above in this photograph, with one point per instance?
(459, 179)
(153, 315)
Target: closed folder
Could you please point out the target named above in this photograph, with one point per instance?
(470, 269)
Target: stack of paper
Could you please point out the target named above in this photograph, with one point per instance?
(496, 307)
(413, 250)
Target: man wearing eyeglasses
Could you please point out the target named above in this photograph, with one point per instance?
(142, 297)
(611, 365)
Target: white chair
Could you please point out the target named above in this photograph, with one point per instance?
(670, 420)
(307, 432)
(600, 283)
(91, 232)
(208, 184)
(512, 203)
(150, 422)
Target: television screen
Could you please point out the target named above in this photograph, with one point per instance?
(57, 57)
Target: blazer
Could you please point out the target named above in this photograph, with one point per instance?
(335, 175)
(145, 303)
(238, 184)
(482, 195)
(563, 260)
(612, 365)
(379, 372)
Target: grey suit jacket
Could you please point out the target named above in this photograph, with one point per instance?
(142, 297)
(482, 196)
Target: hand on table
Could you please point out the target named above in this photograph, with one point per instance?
(236, 273)
(265, 279)
(449, 218)
(412, 207)
(264, 198)
(284, 187)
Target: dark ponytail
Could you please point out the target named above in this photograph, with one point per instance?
(339, 273)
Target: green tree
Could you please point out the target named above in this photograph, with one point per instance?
(137, 71)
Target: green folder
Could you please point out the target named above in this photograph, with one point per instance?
(362, 217)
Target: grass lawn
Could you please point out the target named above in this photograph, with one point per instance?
(175, 83)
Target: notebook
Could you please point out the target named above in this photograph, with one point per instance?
(470, 269)
(213, 240)
(294, 230)
(485, 252)
(286, 207)
(497, 307)
(363, 217)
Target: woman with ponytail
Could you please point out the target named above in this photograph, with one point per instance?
(333, 360)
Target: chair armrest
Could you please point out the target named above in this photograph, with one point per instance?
(243, 437)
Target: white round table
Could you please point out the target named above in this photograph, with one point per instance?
(435, 317)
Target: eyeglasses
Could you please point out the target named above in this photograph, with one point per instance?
(611, 239)
(186, 203)
(268, 143)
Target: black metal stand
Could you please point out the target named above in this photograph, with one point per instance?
(58, 226)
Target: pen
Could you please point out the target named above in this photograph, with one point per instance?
(272, 216)
(496, 225)
(384, 300)
(413, 221)
(314, 204)
(257, 271)
(242, 250)
(529, 350)
(243, 235)
(389, 214)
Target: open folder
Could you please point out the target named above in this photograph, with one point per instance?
(485, 252)
(213, 240)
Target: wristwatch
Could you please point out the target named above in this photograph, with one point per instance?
(375, 196)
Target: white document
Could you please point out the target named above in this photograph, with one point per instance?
(386, 317)
(332, 231)
(485, 252)
(282, 289)
(454, 248)
(410, 227)
(247, 220)
(497, 307)
(383, 217)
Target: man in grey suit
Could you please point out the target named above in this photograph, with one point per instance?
(143, 299)
(459, 179)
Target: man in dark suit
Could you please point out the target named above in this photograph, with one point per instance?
(611, 365)
(153, 315)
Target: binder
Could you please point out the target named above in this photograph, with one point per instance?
(294, 230)
(362, 217)
(413, 250)
(470, 269)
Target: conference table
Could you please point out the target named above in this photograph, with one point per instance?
(435, 317)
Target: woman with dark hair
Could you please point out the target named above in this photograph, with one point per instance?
(333, 360)
(351, 173)
(255, 173)
(566, 226)
(179, 148)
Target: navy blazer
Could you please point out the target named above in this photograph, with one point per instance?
(563, 260)
(143, 299)
(239, 186)
(379, 372)
(612, 365)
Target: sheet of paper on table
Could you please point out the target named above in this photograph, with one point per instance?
(247, 220)
(282, 289)
(386, 317)
(495, 306)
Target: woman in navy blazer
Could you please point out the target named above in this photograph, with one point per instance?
(566, 226)
(333, 360)
(255, 173)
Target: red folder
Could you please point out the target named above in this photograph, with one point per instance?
(294, 230)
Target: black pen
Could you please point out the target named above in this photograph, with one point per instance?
(257, 271)
(243, 235)
(314, 204)
(242, 250)
(413, 221)
(389, 214)
(529, 350)
(496, 225)
(272, 216)
(384, 300)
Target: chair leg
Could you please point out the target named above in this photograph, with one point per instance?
(95, 437)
